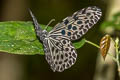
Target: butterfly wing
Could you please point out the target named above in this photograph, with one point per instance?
(78, 24)
(61, 54)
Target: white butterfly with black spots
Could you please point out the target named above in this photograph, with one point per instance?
(59, 51)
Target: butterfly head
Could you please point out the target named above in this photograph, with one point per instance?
(43, 35)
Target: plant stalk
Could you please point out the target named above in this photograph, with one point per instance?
(89, 42)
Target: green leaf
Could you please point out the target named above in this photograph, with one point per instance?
(79, 44)
(17, 37)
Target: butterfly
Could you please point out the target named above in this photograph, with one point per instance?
(59, 51)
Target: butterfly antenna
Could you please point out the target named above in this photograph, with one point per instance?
(49, 23)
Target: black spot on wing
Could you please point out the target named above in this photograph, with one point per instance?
(79, 22)
(69, 27)
(66, 22)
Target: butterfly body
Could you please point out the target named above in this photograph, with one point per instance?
(59, 51)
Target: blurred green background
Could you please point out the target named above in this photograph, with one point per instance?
(22, 67)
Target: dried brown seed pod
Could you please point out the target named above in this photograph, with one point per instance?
(104, 45)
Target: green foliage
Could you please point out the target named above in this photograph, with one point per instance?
(114, 23)
(17, 37)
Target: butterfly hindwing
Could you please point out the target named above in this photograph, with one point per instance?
(62, 54)
(78, 24)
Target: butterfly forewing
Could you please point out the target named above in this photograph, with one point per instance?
(78, 24)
